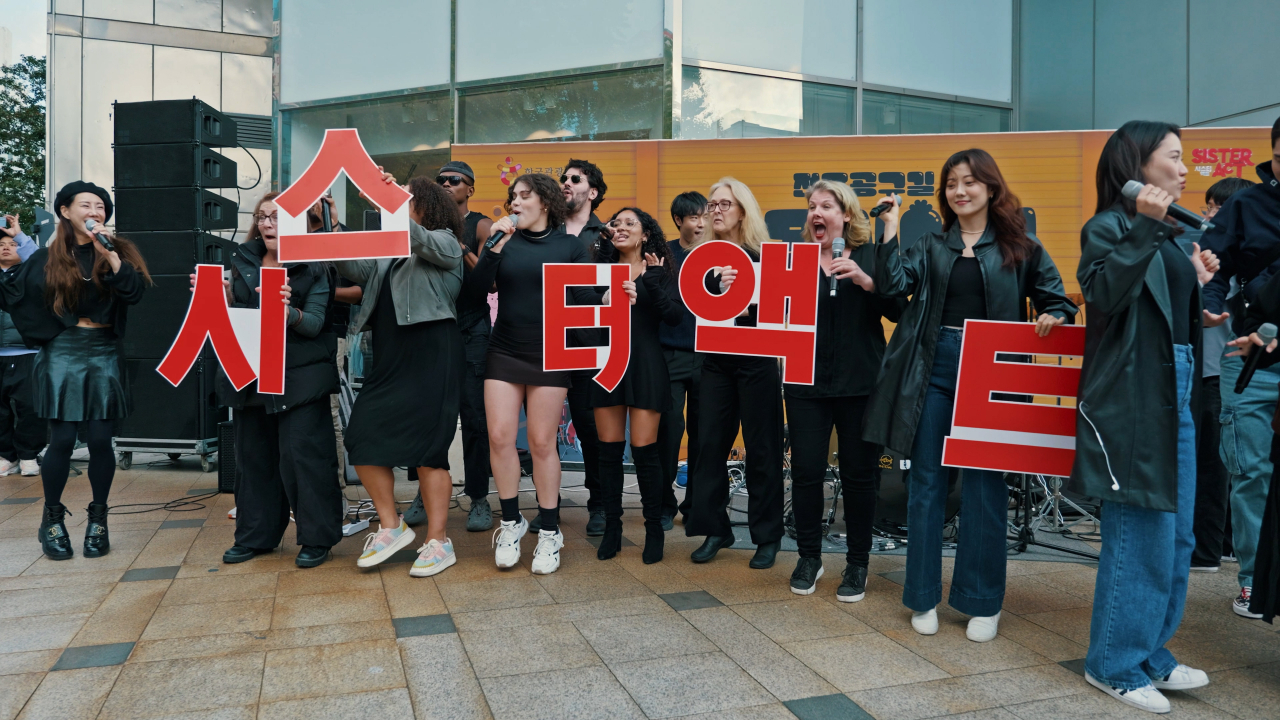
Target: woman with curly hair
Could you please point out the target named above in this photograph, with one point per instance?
(513, 368)
(645, 391)
(407, 411)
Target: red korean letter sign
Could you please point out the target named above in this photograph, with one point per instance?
(784, 285)
(1005, 436)
(342, 151)
(558, 317)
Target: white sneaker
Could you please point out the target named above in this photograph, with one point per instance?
(29, 468)
(1144, 698)
(231, 514)
(6, 467)
(546, 557)
(1241, 604)
(1182, 678)
(383, 544)
(507, 538)
(983, 629)
(925, 623)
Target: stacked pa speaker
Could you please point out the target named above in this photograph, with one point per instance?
(167, 174)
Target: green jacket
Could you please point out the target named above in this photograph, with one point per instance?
(424, 289)
(1127, 418)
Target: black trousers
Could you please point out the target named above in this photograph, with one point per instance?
(685, 369)
(584, 422)
(475, 427)
(287, 460)
(810, 421)
(747, 390)
(22, 432)
(1212, 481)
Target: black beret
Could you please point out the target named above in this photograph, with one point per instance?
(72, 189)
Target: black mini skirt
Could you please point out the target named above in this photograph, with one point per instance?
(76, 376)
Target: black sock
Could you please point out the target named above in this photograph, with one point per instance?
(510, 509)
(550, 518)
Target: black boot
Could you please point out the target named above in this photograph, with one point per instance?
(649, 477)
(611, 495)
(53, 533)
(96, 540)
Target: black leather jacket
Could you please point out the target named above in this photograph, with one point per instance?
(923, 272)
(1127, 418)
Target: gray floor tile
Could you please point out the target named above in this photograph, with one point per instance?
(581, 693)
(691, 600)
(827, 707)
(674, 686)
(1075, 666)
(896, 576)
(642, 637)
(155, 573)
(185, 523)
(202, 491)
(94, 656)
(423, 625)
(18, 500)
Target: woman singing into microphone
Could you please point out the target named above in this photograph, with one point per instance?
(984, 266)
(645, 391)
(850, 346)
(71, 299)
(513, 368)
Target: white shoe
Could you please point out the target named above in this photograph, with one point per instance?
(925, 623)
(1144, 698)
(546, 557)
(29, 468)
(6, 467)
(983, 629)
(383, 544)
(507, 537)
(1182, 678)
(231, 514)
(1241, 604)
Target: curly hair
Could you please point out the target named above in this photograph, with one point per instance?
(548, 191)
(435, 206)
(655, 242)
(595, 178)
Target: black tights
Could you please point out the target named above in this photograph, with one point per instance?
(57, 459)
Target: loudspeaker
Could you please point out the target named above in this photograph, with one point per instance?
(164, 412)
(173, 165)
(154, 322)
(172, 121)
(226, 457)
(178, 252)
(184, 208)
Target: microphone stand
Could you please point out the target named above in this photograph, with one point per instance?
(1023, 525)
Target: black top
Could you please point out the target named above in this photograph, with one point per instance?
(679, 337)
(966, 294)
(22, 295)
(517, 270)
(851, 338)
(646, 383)
(1181, 276)
(97, 304)
(473, 313)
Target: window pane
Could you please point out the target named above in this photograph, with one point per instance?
(503, 38)
(817, 37)
(889, 114)
(247, 17)
(1226, 78)
(718, 104)
(957, 48)
(1143, 73)
(197, 14)
(624, 105)
(1056, 76)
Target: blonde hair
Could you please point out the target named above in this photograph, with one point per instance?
(754, 231)
(858, 230)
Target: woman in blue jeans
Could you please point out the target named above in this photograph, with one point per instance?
(984, 266)
(1135, 433)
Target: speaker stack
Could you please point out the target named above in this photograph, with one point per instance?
(166, 171)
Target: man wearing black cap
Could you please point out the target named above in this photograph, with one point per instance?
(473, 320)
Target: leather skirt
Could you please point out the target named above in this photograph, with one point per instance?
(77, 376)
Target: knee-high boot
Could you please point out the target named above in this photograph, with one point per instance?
(611, 496)
(649, 477)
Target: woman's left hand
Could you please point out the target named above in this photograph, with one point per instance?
(843, 268)
(1205, 263)
(651, 260)
(1047, 322)
(286, 292)
(111, 255)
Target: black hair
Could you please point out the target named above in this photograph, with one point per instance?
(1225, 188)
(655, 242)
(595, 178)
(1275, 133)
(435, 205)
(688, 203)
(1126, 151)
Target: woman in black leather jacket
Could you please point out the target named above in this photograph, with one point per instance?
(984, 266)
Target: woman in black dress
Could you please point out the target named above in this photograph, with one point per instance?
(514, 377)
(407, 411)
(645, 391)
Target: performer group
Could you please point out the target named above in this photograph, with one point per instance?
(436, 358)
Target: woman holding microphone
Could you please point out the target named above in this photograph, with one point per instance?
(983, 266)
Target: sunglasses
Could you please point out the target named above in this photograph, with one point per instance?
(451, 179)
(575, 179)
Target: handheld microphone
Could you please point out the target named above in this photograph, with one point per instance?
(1181, 214)
(880, 208)
(325, 218)
(497, 237)
(88, 226)
(837, 249)
(1267, 333)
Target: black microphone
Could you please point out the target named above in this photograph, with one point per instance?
(325, 218)
(497, 237)
(837, 249)
(1181, 214)
(882, 207)
(1267, 333)
(88, 226)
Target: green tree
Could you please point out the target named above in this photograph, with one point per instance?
(22, 121)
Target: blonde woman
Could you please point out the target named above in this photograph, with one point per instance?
(850, 347)
(738, 389)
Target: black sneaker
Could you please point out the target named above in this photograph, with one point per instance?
(595, 523)
(416, 514)
(853, 584)
(480, 518)
(804, 580)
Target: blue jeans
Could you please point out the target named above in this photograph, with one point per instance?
(977, 584)
(1246, 451)
(1141, 586)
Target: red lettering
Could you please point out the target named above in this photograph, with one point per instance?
(207, 317)
(693, 271)
(271, 331)
(1197, 155)
(788, 276)
(559, 317)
